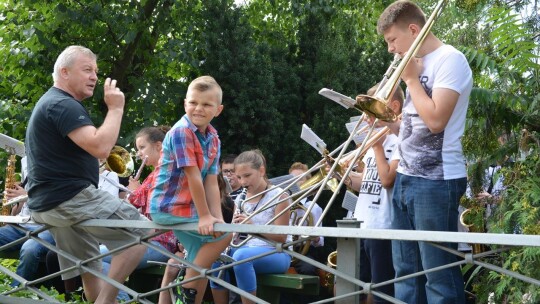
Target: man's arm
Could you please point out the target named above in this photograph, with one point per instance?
(99, 141)
(435, 111)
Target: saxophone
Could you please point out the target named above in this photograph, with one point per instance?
(9, 183)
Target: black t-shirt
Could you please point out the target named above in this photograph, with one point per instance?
(58, 169)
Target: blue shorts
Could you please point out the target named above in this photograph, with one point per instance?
(191, 240)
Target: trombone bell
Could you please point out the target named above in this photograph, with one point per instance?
(331, 184)
(375, 107)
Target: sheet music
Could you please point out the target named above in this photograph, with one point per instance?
(12, 145)
(312, 139)
(343, 100)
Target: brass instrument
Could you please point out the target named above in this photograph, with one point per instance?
(344, 162)
(317, 178)
(465, 220)
(9, 183)
(14, 148)
(120, 161)
(326, 279)
(297, 211)
(377, 105)
(239, 239)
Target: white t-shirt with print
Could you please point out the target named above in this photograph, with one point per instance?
(437, 156)
(374, 201)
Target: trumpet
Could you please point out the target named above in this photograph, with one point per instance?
(238, 238)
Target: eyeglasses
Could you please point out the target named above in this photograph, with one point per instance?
(227, 171)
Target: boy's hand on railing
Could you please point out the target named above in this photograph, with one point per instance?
(206, 225)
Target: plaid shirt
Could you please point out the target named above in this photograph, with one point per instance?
(183, 146)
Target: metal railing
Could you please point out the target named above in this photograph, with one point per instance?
(348, 287)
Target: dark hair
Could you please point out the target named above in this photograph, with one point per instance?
(402, 13)
(154, 134)
(227, 204)
(228, 159)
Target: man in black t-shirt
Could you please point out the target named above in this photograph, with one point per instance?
(63, 147)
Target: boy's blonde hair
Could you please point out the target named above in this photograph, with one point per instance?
(300, 166)
(402, 13)
(205, 83)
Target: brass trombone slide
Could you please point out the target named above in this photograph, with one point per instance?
(274, 201)
(330, 173)
(376, 105)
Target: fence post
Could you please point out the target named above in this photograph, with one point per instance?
(348, 262)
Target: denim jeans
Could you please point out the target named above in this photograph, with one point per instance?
(422, 204)
(31, 253)
(246, 273)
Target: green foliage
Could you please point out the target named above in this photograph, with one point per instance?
(271, 59)
(5, 282)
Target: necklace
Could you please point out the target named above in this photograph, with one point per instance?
(260, 199)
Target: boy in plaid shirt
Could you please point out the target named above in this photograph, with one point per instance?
(185, 185)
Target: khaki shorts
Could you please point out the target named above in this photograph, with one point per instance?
(83, 242)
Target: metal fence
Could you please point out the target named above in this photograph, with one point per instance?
(348, 286)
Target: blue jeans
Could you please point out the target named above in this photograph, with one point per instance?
(422, 204)
(31, 252)
(246, 273)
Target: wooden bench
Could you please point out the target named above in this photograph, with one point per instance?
(270, 286)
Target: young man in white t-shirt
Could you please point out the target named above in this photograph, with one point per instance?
(431, 174)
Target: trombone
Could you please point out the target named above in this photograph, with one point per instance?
(377, 105)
